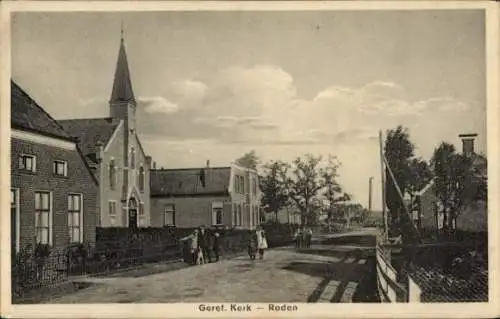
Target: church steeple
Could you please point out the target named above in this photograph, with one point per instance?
(122, 86)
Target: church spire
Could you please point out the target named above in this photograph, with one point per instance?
(122, 86)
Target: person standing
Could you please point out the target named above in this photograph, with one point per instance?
(203, 243)
(216, 245)
(297, 236)
(261, 241)
(252, 244)
(308, 237)
(194, 246)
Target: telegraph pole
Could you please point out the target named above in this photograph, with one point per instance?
(370, 180)
(382, 170)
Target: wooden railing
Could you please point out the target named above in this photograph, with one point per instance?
(390, 289)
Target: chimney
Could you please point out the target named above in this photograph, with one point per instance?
(208, 163)
(100, 151)
(154, 165)
(467, 143)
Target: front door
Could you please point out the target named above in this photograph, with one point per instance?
(132, 214)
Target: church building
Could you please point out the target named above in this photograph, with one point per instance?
(112, 148)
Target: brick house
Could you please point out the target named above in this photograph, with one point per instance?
(218, 196)
(113, 149)
(53, 191)
(471, 218)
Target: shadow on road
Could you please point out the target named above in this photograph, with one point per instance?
(354, 240)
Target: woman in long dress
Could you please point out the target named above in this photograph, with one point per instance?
(261, 241)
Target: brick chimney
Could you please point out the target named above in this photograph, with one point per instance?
(154, 165)
(467, 143)
(208, 163)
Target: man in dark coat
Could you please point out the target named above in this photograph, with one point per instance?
(216, 244)
(203, 241)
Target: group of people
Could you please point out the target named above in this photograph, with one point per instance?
(204, 243)
(303, 237)
(257, 243)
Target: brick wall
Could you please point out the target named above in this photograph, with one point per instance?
(78, 181)
(189, 211)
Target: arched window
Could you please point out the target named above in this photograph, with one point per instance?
(132, 157)
(142, 178)
(112, 174)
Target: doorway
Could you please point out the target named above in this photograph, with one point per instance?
(132, 214)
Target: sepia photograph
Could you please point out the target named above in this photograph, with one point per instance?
(248, 161)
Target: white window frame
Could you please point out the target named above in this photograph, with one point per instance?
(80, 226)
(50, 217)
(18, 216)
(21, 163)
(112, 203)
(65, 168)
(169, 209)
(216, 208)
(140, 209)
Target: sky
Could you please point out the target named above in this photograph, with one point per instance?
(215, 85)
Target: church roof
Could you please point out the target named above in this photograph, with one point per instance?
(122, 85)
(26, 114)
(186, 181)
(90, 131)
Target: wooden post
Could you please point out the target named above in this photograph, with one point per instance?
(382, 170)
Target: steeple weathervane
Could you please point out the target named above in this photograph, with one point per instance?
(121, 32)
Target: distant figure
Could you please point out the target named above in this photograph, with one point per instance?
(216, 245)
(308, 236)
(261, 241)
(298, 237)
(252, 245)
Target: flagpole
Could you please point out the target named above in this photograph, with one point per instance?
(382, 179)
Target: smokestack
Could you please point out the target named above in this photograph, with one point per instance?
(208, 163)
(467, 143)
(370, 194)
(154, 165)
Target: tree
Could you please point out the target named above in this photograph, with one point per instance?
(331, 188)
(273, 188)
(304, 184)
(459, 181)
(398, 151)
(249, 160)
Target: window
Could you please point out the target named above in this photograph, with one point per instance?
(242, 185)
(217, 216)
(238, 218)
(132, 157)
(169, 218)
(14, 219)
(43, 216)
(60, 168)
(27, 163)
(254, 185)
(74, 218)
(235, 214)
(112, 174)
(112, 208)
(141, 209)
(141, 179)
(236, 185)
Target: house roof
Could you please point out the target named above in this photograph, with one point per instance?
(26, 114)
(91, 131)
(182, 182)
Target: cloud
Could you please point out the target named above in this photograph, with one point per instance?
(261, 105)
(157, 104)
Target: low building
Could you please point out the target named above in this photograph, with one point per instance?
(473, 217)
(211, 196)
(53, 191)
(285, 216)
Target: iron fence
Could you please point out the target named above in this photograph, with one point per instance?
(117, 250)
